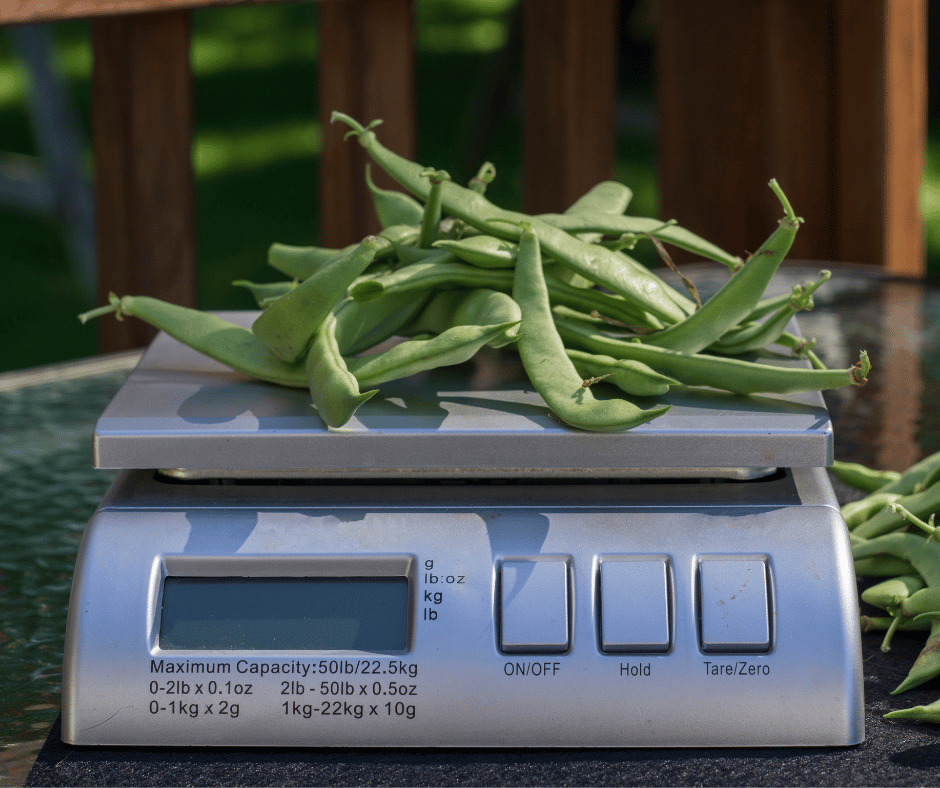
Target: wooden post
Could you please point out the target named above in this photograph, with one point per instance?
(366, 71)
(570, 90)
(827, 96)
(141, 104)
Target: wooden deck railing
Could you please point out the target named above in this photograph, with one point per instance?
(828, 96)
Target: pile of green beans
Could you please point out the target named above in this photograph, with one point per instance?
(894, 536)
(451, 272)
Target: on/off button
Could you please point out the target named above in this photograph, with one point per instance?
(534, 607)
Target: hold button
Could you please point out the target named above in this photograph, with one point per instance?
(735, 605)
(534, 607)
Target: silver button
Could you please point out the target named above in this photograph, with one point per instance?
(634, 605)
(534, 607)
(734, 604)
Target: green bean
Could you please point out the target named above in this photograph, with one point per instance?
(857, 512)
(484, 251)
(737, 297)
(889, 594)
(302, 262)
(490, 307)
(233, 345)
(431, 218)
(922, 554)
(861, 477)
(802, 348)
(334, 389)
(479, 307)
(726, 374)
(631, 377)
(927, 664)
(484, 177)
(928, 713)
(924, 600)
(756, 335)
(909, 481)
(596, 263)
(393, 208)
(265, 292)
(410, 255)
(920, 504)
(908, 516)
(608, 197)
(360, 326)
(447, 276)
(668, 232)
(882, 566)
(287, 326)
(767, 305)
(420, 277)
(548, 367)
(453, 346)
(870, 623)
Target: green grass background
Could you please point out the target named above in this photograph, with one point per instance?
(257, 143)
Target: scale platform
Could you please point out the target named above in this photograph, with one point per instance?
(456, 568)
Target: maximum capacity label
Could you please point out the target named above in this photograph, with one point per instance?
(302, 690)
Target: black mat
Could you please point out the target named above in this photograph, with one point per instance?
(894, 753)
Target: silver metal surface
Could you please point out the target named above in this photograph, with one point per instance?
(534, 611)
(181, 410)
(734, 594)
(454, 686)
(635, 601)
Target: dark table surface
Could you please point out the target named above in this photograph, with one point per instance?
(890, 423)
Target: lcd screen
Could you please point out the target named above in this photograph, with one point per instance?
(285, 613)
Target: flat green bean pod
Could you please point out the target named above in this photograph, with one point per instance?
(921, 504)
(287, 326)
(620, 224)
(861, 477)
(920, 601)
(928, 713)
(757, 335)
(889, 594)
(927, 664)
(360, 326)
(393, 208)
(302, 262)
(454, 346)
(333, 388)
(737, 297)
(233, 345)
(606, 197)
(265, 292)
(481, 307)
(920, 553)
(547, 365)
(719, 372)
(631, 377)
(882, 566)
(484, 251)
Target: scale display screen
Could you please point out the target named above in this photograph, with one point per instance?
(285, 613)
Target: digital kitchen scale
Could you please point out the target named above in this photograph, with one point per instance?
(456, 568)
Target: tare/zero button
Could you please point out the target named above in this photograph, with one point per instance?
(734, 598)
(534, 606)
